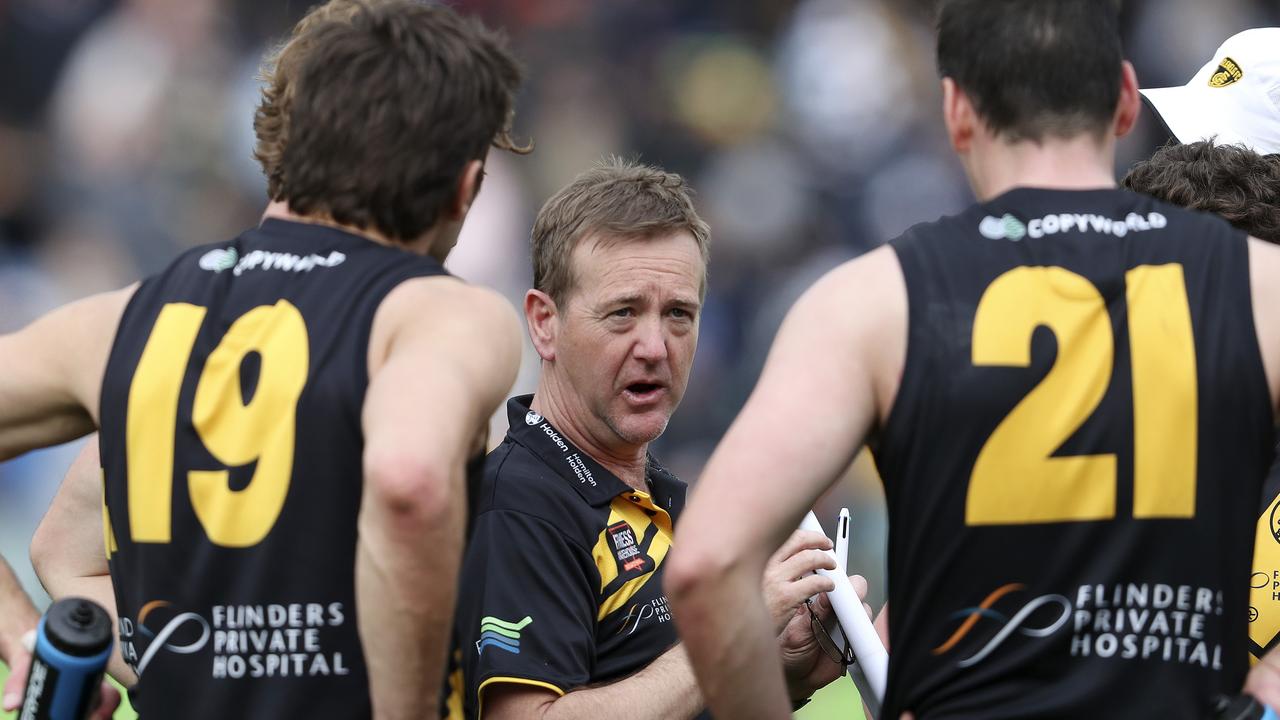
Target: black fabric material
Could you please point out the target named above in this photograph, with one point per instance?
(266, 630)
(545, 521)
(1022, 619)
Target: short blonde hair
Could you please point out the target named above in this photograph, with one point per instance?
(618, 199)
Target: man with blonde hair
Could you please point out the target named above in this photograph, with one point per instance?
(562, 613)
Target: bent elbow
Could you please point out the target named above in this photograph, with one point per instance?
(44, 555)
(693, 568)
(41, 552)
(407, 487)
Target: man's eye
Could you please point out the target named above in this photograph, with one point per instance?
(623, 312)
(681, 313)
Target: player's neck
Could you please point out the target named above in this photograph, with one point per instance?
(566, 411)
(1079, 163)
(280, 210)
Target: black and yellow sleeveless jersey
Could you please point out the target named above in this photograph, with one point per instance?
(1073, 460)
(1264, 581)
(231, 449)
(561, 583)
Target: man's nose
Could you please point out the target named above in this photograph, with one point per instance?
(650, 341)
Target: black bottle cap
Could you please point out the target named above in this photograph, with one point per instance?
(78, 627)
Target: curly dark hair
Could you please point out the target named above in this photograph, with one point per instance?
(372, 108)
(1230, 180)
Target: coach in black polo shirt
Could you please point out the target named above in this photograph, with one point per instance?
(561, 612)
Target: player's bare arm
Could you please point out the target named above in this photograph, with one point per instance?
(665, 688)
(442, 356)
(51, 373)
(69, 548)
(830, 377)
(17, 617)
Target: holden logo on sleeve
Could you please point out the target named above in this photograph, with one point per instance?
(532, 418)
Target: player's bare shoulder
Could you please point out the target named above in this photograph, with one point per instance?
(876, 274)
(97, 320)
(474, 319)
(861, 307)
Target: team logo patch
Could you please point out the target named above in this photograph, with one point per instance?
(1264, 586)
(501, 634)
(622, 540)
(1019, 622)
(638, 613)
(219, 259)
(532, 418)
(1007, 227)
(183, 633)
(1228, 73)
(1275, 520)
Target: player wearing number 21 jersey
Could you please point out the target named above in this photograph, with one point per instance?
(286, 417)
(1068, 390)
(1101, 382)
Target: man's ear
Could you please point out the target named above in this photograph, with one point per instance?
(464, 195)
(543, 319)
(958, 114)
(1130, 100)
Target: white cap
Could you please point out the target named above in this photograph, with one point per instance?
(1235, 96)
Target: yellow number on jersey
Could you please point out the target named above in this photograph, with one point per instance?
(234, 432)
(1016, 479)
(152, 420)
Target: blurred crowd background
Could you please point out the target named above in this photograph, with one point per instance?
(810, 128)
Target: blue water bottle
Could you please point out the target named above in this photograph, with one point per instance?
(73, 643)
(1242, 707)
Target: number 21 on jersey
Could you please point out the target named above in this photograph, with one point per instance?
(236, 433)
(1016, 478)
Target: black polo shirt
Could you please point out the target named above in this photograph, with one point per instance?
(561, 584)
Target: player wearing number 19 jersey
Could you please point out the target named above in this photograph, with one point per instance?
(286, 417)
(243, 368)
(1068, 390)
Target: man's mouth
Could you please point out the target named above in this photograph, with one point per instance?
(643, 393)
